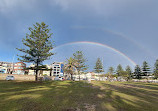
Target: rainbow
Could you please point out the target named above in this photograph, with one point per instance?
(118, 34)
(102, 45)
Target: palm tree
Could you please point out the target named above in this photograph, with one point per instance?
(70, 67)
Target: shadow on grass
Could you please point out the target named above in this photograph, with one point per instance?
(152, 86)
(72, 96)
(135, 97)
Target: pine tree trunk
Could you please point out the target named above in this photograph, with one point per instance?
(36, 77)
(79, 74)
(50, 72)
(99, 76)
(71, 77)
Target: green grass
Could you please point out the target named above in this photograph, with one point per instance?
(78, 96)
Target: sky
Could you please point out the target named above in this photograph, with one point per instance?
(130, 27)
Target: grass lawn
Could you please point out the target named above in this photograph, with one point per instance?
(78, 96)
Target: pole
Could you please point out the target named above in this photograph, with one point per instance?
(13, 63)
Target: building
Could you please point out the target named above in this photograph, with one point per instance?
(6, 67)
(31, 71)
(47, 72)
(19, 68)
(43, 71)
(57, 69)
(12, 68)
(3, 70)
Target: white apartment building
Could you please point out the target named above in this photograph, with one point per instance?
(57, 69)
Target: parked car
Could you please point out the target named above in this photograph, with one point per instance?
(58, 78)
(92, 79)
(10, 78)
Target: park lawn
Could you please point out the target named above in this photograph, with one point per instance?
(78, 96)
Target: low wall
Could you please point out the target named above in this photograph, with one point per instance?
(22, 77)
(18, 77)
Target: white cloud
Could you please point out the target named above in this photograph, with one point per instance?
(7, 6)
(101, 7)
(76, 7)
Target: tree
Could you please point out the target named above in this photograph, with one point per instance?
(38, 46)
(80, 62)
(137, 72)
(119, 69)
(70, 66)
(124, 74)
(145, 69)
(129, 71)
(98, 66)
(111, 70)
(156, 69)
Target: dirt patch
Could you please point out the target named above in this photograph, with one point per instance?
(86, 107)
(89, 107)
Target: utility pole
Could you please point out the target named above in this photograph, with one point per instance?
(12, 64)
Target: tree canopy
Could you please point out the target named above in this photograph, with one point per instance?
(129, 72)
(119, 69)
(145, 69)
(38, 44)
(111, 70)
(70, 67)
(80, 62)
(98, 66)
(137, 72)
(156, 69)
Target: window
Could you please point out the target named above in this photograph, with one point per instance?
(20, 68)
(56, 65)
